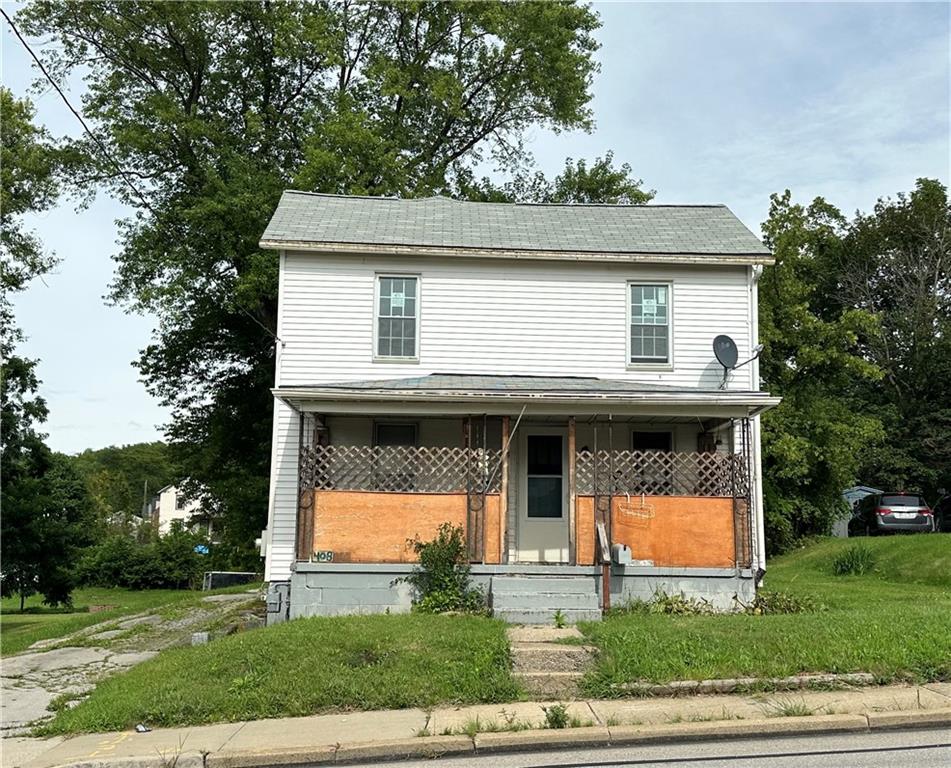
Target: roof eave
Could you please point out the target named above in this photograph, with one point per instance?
(370, 249)
(759, 401)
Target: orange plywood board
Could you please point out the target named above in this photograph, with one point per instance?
(584, 509)
(366, 527)
(684, 531)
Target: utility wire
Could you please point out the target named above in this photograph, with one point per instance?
(79, 117)
(108, 155)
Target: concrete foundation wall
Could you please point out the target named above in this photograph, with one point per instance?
(716, 585)
(333, 589)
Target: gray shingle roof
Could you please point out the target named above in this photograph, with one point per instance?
(306, 219)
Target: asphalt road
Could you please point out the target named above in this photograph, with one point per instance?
(889, 749)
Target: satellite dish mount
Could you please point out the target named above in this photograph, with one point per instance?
(727, 354)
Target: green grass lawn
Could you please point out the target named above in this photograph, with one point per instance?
(307, 666)
(20, 630)
(894, 622)
(39, 622)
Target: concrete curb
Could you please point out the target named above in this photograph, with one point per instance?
(514, 741)
(749, 684)
(909, 719)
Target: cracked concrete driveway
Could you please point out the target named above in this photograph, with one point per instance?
(72, 666)
(31, 681)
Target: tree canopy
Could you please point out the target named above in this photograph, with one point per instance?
(855, 321)
(214, 108)
(602, 182)
(120, 479)
(896, 264)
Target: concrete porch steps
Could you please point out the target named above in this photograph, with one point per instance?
(544, 664)
(536, 599)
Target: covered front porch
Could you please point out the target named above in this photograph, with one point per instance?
(631, 490)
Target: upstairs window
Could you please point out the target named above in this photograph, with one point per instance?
(397, 317)
(649, 313)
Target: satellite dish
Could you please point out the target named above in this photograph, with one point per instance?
(725, 350)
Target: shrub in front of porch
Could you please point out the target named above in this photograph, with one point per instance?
(441, 579)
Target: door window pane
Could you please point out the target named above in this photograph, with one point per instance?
(544, 455)
(545, 465)
(544, 497)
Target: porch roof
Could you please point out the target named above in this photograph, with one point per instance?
(460, 393)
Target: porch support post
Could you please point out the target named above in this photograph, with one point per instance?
(309, 435)
(572, 494)
(504, 494)
(305, 496)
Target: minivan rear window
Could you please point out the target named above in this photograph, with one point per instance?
(902, 501)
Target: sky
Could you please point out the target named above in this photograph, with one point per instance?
(709, 103)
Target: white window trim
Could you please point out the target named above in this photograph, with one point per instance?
(658, 366)
(377, 277)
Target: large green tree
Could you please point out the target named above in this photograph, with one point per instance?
(119, 479)
(45, 508)
(814, 442)
(211, 109)
(896, 264)
(578, 183)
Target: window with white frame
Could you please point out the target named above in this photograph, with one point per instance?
(649, 312)
(397, 317)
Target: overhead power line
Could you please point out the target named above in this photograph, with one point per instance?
(126, 177)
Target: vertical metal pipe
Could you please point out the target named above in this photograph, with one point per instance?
(504, 494)
(572, 494)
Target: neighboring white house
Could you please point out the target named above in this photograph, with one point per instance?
(542, 375)
(170, 504)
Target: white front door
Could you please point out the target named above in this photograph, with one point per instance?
(543, 495)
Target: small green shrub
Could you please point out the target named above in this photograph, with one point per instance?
(441, 579)
(854, 561)
(662, 603)
(556, 716)
(165, 562)
(679, 605)
(559, 618)
(767, 602)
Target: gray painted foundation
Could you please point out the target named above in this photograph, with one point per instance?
(333, 589)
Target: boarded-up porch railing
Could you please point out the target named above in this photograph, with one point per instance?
(607, 475)
(661, 473)
(400, 469)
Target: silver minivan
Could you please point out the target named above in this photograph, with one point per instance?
(891, 512)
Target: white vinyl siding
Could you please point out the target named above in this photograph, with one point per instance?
(487, 317)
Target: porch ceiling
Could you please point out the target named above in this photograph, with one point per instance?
(537, 395)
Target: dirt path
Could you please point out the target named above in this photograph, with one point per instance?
(62, 671)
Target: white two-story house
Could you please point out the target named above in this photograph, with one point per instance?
(543, 376)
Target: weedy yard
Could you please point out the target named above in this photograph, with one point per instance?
(307, 666)
(893, 620)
